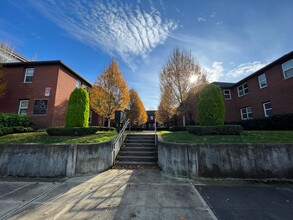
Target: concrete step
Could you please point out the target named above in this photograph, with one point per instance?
(139, 144)
(134, 163)
(137, 158)
(138, 148)
(137, 137)
(139, 141)
(138, 153)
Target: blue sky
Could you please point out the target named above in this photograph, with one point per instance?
(229, 38)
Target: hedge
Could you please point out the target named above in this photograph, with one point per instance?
(14, 120)
(177, 128)
(16, 129)
(77, 131)
(275, 122)
(215, 130)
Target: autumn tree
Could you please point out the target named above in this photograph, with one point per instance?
(136, 111)
(165, 110)
(2, 82)
(179, 75)
(109, 93)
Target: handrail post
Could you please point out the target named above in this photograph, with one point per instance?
(155, 132)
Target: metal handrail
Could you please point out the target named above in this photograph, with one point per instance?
(121, 131)
(155, 132)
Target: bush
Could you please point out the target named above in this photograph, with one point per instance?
(177, 128)
(78, 109)
(215, 130)
(211, 107)
(13, 120)
(17, 129)
(275, 122)
(77, 131)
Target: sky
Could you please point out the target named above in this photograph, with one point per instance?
(230, 39)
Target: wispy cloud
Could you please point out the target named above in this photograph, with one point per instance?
(245, 69)
(116, 27)
(215, 72)
(201, 19)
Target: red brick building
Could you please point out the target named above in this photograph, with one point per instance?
(41, 90)
(267, 92)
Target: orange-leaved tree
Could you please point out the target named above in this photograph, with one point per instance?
(165, 109)
(3, 83)
(136, 111)
(109, 93)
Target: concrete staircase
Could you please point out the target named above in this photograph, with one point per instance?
(138, 149)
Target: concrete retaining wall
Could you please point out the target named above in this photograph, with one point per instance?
(226, 160)
(54, 159)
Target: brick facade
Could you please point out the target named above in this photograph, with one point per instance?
(48, 75)
(278, 92)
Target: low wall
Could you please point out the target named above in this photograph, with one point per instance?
(226, 160)
(51, 160)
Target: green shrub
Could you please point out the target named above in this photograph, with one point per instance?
(211, 107)
(215, 130)
(177, 128)
(275, 122)
(78, 109)
(17, 129)
(77, 131)
(11, 120)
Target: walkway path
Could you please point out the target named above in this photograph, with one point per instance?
(114, 194)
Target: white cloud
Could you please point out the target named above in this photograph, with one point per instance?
(245, 69)
(213, 15)
(117, 28)
(215, 72)
(201, 19)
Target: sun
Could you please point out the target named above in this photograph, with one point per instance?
(193, 78)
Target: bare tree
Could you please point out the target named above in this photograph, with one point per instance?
(179, 75)
(6, 52)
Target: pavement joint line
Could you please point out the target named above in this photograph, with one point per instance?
(203, 201)
(9, 214)
(15, 190)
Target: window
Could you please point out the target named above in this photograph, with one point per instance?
(151, 117)
(262, 80)
(242, 90)
(78, 84)
(246, 113)
(40, 107)
(288, 69)
(227, 94)
(28, 76)
(23, 107)
(267, 108)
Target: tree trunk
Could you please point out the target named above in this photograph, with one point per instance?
(183, 120)
(109, 120)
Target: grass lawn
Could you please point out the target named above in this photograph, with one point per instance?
(44, 138)
(245, 137)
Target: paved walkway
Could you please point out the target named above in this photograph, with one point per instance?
(114, 194)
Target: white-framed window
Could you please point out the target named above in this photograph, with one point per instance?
(288, 69)
(23, 107)
(78, 84)
(90, 116)
(267, 108)
(246, 113)
(227, 94)
(242, 89)
(28, 76)
(262, 81)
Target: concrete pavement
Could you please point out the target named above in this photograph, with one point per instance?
(114, 194)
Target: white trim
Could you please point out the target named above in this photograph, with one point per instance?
(266, 109)
(20, 106)
(224, 90)
(246, 113)
(291, 68)
(260, 81)
(26, 74)
(242, 89)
